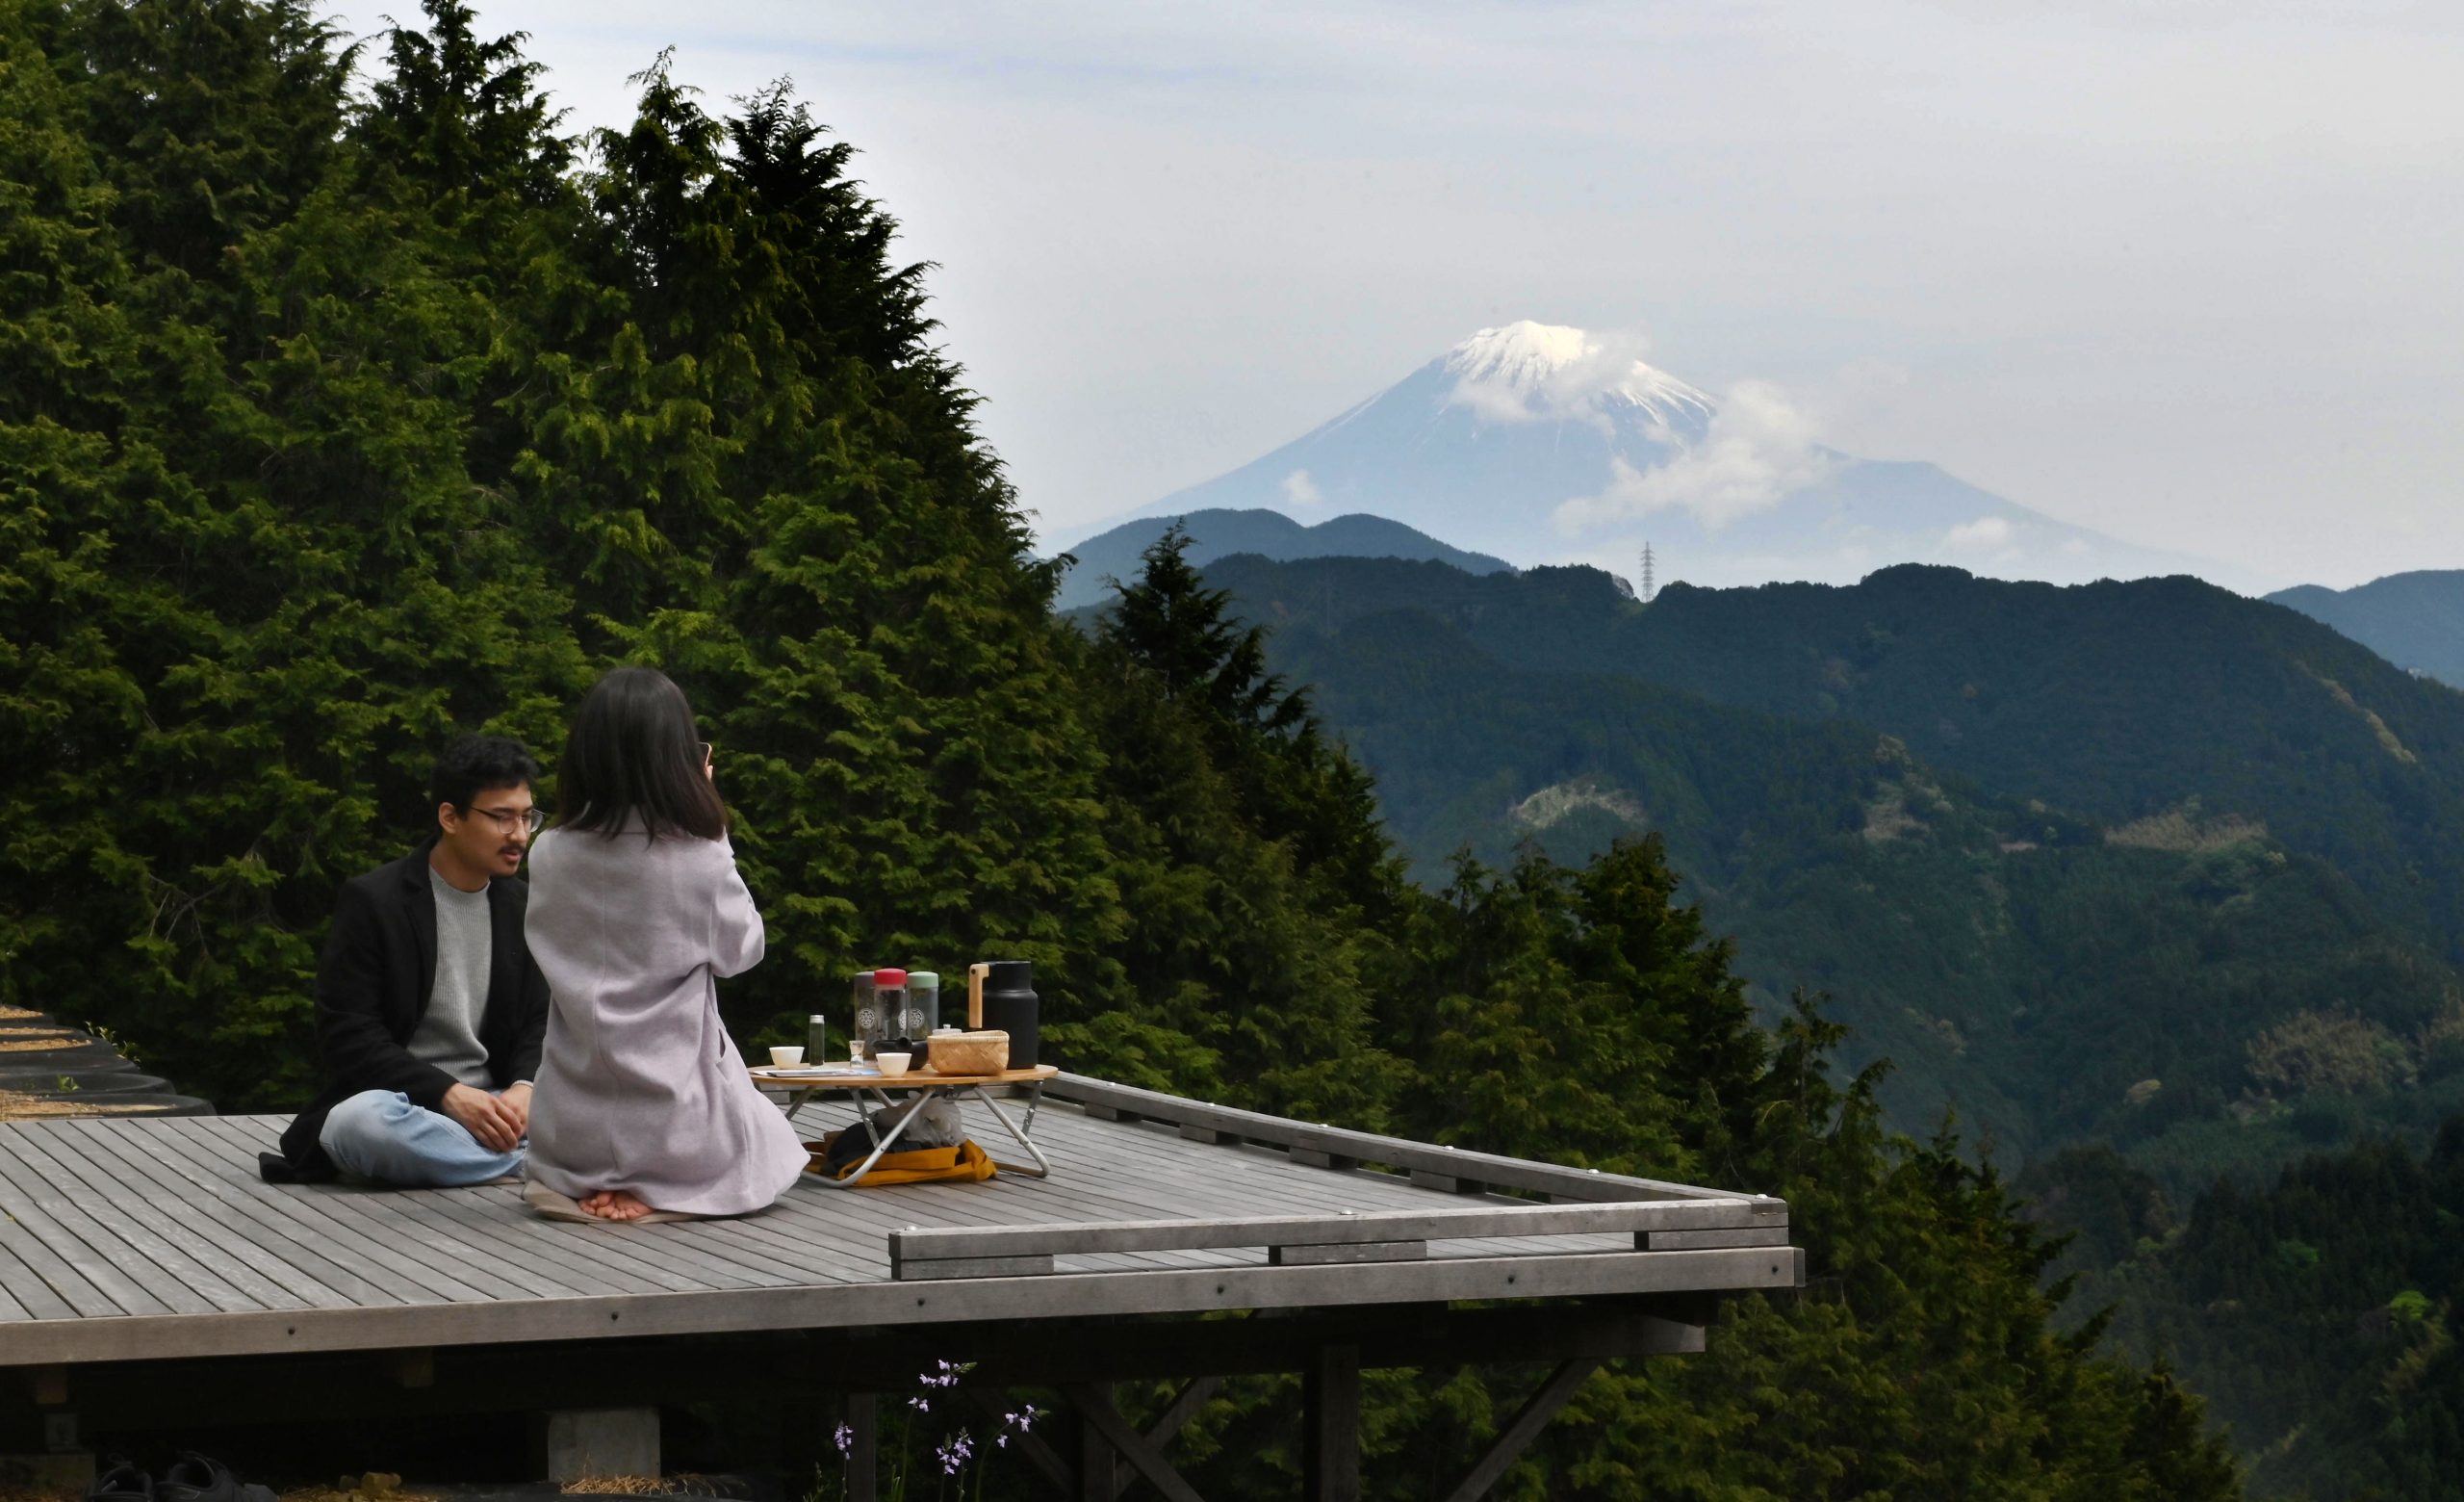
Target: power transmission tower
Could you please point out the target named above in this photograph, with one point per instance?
(1646, 572)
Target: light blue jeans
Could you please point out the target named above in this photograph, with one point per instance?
(380, 1135)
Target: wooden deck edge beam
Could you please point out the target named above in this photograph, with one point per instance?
(916, 1269)
(1347, 1252)
(813, 1366)
(1585, 1218)
(1105, 1101)
(1699, 1240)
(740, 1311)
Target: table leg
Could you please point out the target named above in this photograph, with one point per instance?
(1043, 1166)
(880, 1144)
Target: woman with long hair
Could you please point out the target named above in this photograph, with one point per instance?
(643, 1106)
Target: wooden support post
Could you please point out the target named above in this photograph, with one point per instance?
(50, 1384)
(1096, 1454)
(412, 1366)
(858, 1466)
(1518, 1434)
(1330, 1425)
(583, 1443)
(1094, 1405)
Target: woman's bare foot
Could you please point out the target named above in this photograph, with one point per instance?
(615, 1205)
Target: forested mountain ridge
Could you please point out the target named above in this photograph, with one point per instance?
(2121, 702)
(335, 421)
(2414, 620)
(2177, 986)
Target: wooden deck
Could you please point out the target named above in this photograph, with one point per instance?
(138, 1240)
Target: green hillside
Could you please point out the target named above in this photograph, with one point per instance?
(2318, 1311)
(2159, 984)
(2121, 701)
(2413, 620)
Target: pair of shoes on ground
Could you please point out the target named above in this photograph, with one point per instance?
(194, 1479)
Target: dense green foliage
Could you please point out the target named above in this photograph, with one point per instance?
(2184, 986)
(2414, 620)
(334, 422)
(2318, 1312)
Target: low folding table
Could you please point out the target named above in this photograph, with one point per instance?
(804, 1083)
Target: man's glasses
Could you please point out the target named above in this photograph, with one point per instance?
(706, 749)
(506, 818)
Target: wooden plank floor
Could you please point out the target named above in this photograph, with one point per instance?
(127, 1239)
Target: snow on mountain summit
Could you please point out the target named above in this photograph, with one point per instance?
(1539, 443)
(1523, 353)
(1527, 370)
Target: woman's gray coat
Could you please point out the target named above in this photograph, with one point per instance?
(639, 1086)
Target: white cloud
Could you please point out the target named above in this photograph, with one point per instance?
(1301, 490)
(1988, 542)
(1758, 449)
(1982, 535)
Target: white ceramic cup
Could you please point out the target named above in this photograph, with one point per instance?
(892, 1064)
(786, 1057)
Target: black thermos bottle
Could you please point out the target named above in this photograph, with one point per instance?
(1010, 1006)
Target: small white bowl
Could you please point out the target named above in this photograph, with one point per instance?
(892, 1064)
(786, 1057)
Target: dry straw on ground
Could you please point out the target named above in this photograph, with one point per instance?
(17, 1107)
(369, 1486)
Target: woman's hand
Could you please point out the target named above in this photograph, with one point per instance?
(515, 1098)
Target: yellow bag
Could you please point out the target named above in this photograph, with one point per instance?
(966, 1163)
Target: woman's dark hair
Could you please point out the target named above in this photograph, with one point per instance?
(474, 765)
(633, 756)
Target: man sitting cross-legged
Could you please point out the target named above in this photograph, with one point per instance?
(429, 1009)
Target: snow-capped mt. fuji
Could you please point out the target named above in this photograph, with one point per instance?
(1536, 371)
(1543, 444)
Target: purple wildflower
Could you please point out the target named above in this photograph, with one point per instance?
(954, 1453)
(843, 1436)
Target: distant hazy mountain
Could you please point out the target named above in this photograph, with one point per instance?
(2414, 620)
(1539, 445)
(1271, 534)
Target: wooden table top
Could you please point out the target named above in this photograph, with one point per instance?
(913, 1079)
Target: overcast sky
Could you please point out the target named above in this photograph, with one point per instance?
(2186, 272)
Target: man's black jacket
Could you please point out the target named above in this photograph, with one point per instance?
(372, 988)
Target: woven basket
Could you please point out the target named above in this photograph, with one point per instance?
(986, 1053)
